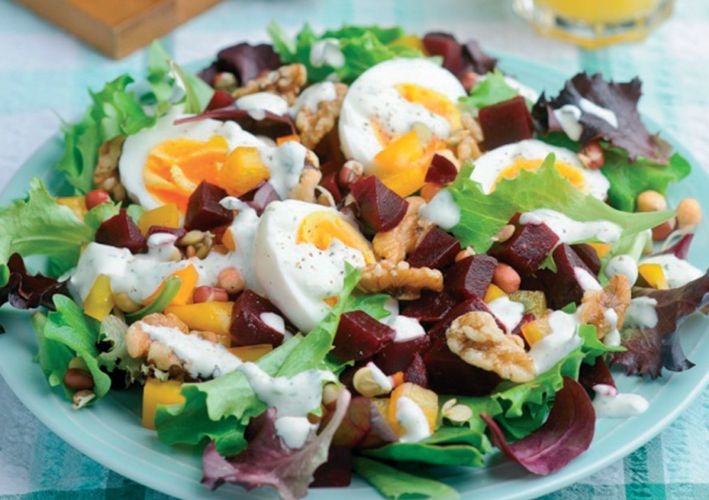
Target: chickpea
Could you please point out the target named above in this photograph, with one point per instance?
(506, 278)
(651, 201)
(689, 213)
(231, 280)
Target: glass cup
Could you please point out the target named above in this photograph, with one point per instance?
(595, 23)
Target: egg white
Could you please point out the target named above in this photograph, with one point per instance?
(373, 95)
(489, 166)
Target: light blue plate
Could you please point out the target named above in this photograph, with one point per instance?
(110, 432)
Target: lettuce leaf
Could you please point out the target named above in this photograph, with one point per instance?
(361, 46)
(483, 215)
(488, 91)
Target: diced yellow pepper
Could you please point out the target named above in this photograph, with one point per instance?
(157, 393)
(601, 248)
(99, 301)
(76, 203)
(410, 41)
(212, 317)
(493, 292)
(167, 215)
(251, 352)
(188, 276)
(653, 275)
(243, 171)
(534, 331)
(426, 399)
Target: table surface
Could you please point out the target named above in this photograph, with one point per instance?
(44, 74)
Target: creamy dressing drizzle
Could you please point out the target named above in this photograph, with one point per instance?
(274, 321)
(285, 164)
(442, 210)
(312, 96)
(256, 104)
(327, 52)
(412, 419)
(558, 344)
(678, 272)
(594, 109)
(625, 265)
(568, 117)
(203, 359)
(587, 281)
(609, 403)
(380, 377)
(507, 311)
(641, 313)
(572, 231)
(294, 431)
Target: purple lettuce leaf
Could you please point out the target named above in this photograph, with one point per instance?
(566, 434)
(651, 349)
(620, 98)
(268, 461)
(245, 61)
(27, 291)
(458, 58)
(680, 249)
(272, 125)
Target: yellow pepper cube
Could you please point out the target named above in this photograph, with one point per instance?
(157, 393)
(99, 301)
(167, 215)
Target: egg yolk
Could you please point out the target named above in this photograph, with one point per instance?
(572, 174)
(175, 168)
(320, 228)
(435, 102)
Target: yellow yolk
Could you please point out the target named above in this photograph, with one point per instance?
(175, 167)
(574, 176)
(320, 228)
(433, 101)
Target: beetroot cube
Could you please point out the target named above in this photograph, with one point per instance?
(397, 356)
(589, 256)
(444, 45)
(220, 99)
(431, 307)
(441, 170)
(336, 471)
(505, 122)
(203, 209)
(564, 287)
(247, 324)
(470, 276)
(120, 231)
(379, 206)
(416, 372)
(437, 250)
(474, 303)
(329, 182)
(527, 248)
(359, 336)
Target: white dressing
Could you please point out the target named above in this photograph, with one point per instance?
(327, 52)
(507, 311)
(568, 117)
(203, 359)
(259, 102)
(586, 280)
(558, 344)
(294, 431)
(312, 96)
(612, 338)
(594, 109)
(274, 321)
(678, 272)
(243, 232)
(625, 265)
(285, 164)
(412, 419)
(641, 313)
(609, 403)
(572, 231)
(380, 377)
(442, 210)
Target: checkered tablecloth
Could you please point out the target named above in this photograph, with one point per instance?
(44, 74)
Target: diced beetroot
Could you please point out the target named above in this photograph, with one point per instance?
(597, 373)
(589, 256)
(431, 307)
(505, 122)
(437, 250)
(120, 231)
(441, 170)
(470, 276)
(474, 303)
(379, 206)
(263, 195)
(527, 248)
(329, 182)
(247, 326)
(359, 336)
(336, 472)
(178, 232)
(416, 372)
(203, 209)
(444, 45)
(448, 374)
(397, 356)
(565, 287)
(220, 99)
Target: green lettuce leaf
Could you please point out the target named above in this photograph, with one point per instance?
(488, 91)
(483, 215)
(361, 46)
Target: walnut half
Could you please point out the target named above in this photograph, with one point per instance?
(396, 243)
(399, 279)
(477, 340)
(285, 81)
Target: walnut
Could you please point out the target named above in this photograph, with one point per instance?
(106, 170)
(399, 279)
(314, 125)
(309, 179)
(596, 304)
(477, 340)
(393, 245)
(285, 81)
(465, 141)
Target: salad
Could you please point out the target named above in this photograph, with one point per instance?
(358, 251)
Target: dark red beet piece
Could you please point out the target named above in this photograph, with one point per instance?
(329, 182)
(437, 250)
(178, 232)
(203, 209)
(589, 256)
(336, 472)
(597, 373)
(431, 307)
(565, 288)
(247, 327)
(416, 372)
(120, 231)
(444, 45)
(470, 276)
(220, 99)
(397, 356)
(474, 303)
(379, 206)
(441, 170)
(263, 195)
(505, 122)
(527, 248)
(359, 336)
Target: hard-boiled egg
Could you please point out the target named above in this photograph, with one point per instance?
(507, 161)
(300, 251)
